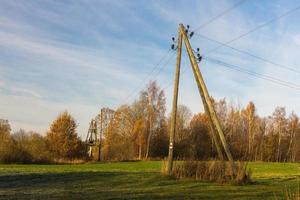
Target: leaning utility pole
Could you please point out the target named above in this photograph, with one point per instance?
(207, 102)
(202, 86)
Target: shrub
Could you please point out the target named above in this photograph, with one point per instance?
(24, 147)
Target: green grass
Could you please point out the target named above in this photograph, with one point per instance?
(137, 180)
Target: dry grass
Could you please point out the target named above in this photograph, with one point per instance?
(212, 171)
(292, 195)
(73, 161)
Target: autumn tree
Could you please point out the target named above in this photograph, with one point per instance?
(201, 144)
(62, 138)
(221, 109)
(119, 142)
(4, 128)
(249, 116)
(29, 147)
(279, 124)
(293, 129)
(261, 136)
(232, 128)
(4, 139)
(152, 101)
(160, 141)
(140, 128)
(138, 132)
(183, 118)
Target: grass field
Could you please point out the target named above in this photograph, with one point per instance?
(137, 180)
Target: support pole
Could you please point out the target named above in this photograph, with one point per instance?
(174, 105)
(202, 88)
(100, 135)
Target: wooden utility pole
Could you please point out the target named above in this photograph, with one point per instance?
(215, 125)
(174, 105)
(202, 88)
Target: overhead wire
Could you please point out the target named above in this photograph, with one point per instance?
(207, 23)
(255, 74)
(198, 28)
(219, 15)
(255, 28)
(133, 93)
(250, 54)
(235, 39)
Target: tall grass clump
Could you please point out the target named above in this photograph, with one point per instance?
(212, 171)
(291, 194)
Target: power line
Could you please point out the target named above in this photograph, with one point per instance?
(171, 82)
(219, 15)
(151, 72)
(250, 54)
(256, 28)
(255, 74)
(203, 25)
(168, 61)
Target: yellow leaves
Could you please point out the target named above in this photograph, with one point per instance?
(62, 137)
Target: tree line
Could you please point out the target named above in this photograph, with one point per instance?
(141, 131)
(61, 143)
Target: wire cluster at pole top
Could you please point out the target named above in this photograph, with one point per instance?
(174, 45)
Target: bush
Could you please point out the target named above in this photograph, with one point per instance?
(24, 147)
(213, 171)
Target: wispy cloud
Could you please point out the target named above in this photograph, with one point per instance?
(83, 55)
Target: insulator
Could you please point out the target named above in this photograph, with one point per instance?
(200, 58)
(173, 39)
(173, 46)
(191, 34)
(198, 55)
(188, 26)
(198, 49)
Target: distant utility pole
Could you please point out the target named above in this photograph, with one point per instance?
(100, 135)
(215, 125)
(98, 126)
(91, 136)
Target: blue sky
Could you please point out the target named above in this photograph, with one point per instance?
(83, 55)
